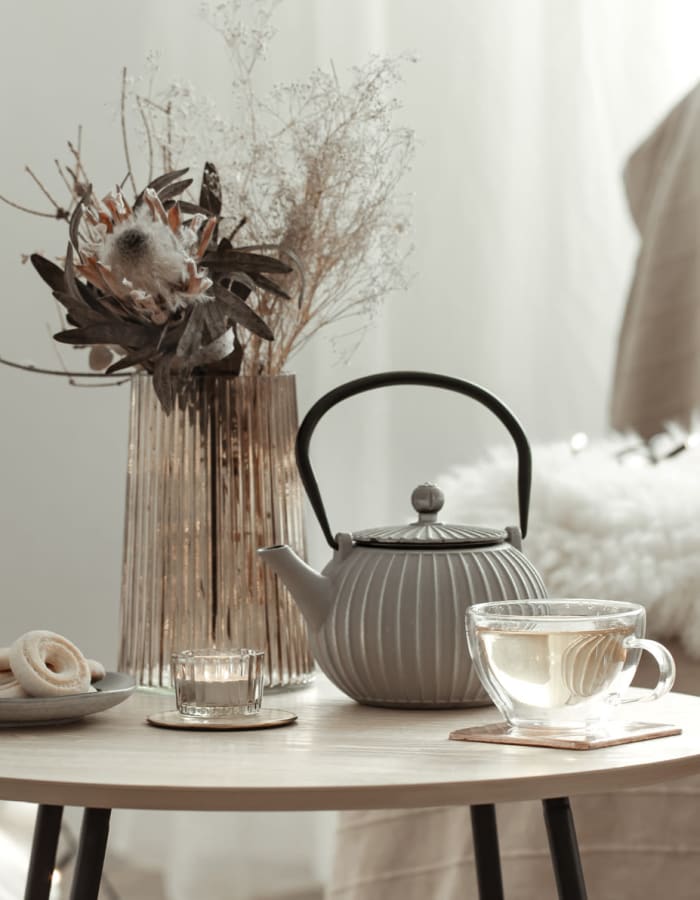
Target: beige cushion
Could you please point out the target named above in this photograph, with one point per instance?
(657, 373)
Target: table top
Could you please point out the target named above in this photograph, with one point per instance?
(338, 755)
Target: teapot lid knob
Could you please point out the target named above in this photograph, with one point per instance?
(427, 500)
(427, 532)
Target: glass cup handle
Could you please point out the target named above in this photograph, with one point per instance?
(665, 662)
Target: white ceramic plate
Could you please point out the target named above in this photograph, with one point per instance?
(114, 688)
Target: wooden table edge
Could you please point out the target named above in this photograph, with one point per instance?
(317, 798)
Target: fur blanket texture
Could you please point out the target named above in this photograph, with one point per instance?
(600, 527)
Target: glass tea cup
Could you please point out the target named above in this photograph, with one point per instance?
(218, 683)
(562, 665)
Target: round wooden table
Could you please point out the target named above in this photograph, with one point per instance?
(338, 755)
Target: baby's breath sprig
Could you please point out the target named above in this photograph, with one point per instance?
(314, 165)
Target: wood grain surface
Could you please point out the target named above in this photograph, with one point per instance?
(338, 755)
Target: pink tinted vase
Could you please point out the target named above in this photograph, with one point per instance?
(206, 486)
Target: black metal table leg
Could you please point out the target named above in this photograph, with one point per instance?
(563, 848)
(42, 861)
(91, 854)
(486, 855)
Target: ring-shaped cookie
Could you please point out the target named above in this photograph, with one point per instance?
(10, 688)
(97, 670)
(47, 664)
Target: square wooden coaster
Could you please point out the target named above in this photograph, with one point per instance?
(615, 733)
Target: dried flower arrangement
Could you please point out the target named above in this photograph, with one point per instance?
(310, 171)
(160, 285)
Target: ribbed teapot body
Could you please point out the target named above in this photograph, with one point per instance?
(395, 634)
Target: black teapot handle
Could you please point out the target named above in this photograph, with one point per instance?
(426, 379)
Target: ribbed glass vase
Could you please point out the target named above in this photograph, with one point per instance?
(206, 486)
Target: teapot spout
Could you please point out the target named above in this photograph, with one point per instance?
(310, 590)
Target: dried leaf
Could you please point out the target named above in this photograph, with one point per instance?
(78, 315)
(242, 314)
(170, 336)
(285, 251)
(215, 317)
(214, 351)
(267, 284)
(172, 190)
(89, 293)
(240, 278)
(50, 272)
(117, 309)
(225, 260)
(192, 208)
(290, 254)
(131, 359)
(74, 224)
(191, 338)
(231, 365)
(78, 301)
(210, 192)
(159, 183)
(236, 358)
(124, 334)
(164, 384)
(164, 180)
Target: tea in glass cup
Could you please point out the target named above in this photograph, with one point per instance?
(562, 665)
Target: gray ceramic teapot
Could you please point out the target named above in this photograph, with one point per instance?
(386, 615)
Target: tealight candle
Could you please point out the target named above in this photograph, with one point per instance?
(216, 683)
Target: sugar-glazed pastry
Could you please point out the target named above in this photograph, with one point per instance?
(49, 665)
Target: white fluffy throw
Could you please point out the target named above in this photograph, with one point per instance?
(599, 528)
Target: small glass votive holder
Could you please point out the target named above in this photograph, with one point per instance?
(217, 683)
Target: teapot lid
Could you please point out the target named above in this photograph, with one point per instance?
(428, 500)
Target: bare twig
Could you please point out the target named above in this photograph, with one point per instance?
(71, 187)
(106, 382)
(77, 156)
(125, 139)
(41, 187)
(32, 212)
(149, 136)
(29, 367)
(237, 228)
(168, 155)
(149, 101)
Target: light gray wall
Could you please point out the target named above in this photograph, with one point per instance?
(522, 254)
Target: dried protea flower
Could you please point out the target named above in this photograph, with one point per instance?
(160, 286)
(146, 256)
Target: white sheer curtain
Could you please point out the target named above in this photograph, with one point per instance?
(524, 112)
